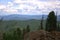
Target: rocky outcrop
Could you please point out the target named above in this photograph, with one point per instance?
(42, 35)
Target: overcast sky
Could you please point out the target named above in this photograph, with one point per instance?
(29, 7)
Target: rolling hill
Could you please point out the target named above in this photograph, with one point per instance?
(22, 17)
(25, 17)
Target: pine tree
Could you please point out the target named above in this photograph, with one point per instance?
(58, 27)
(14, 35)
(51, 22)
(28, 29)
(24, 31)
(18, 34)
(4, 36)
(42, 22)
(23, 34)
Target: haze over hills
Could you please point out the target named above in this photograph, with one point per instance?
(24, 17)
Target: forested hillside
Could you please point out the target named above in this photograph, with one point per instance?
(24, 29)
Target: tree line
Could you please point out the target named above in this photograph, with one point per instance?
(51, 22)
(18, 34)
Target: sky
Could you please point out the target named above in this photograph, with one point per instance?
(29, 7)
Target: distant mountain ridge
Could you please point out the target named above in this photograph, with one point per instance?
(24, 17)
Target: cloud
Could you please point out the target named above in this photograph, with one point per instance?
(10, 10)
(31, 7)
(2, 6)
(10, 4)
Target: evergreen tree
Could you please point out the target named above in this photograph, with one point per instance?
(42, 22)
(14, 35)
(23, 34)
(18, 34)
(58, 27)
(4, 36)
(28, 29)
(24, 31)
(51, 23)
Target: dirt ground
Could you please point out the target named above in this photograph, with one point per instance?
(42, 35)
